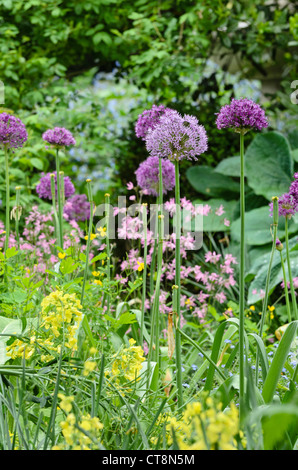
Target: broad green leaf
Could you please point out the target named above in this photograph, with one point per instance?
(269, 165)
(229, 167)
(210, 183)
(278, 361)
(257, 227)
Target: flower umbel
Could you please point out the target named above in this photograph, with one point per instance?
(148, 120)
(241, 115)
(59, 137)
(148, 176)
(13, 132)
(177, 137)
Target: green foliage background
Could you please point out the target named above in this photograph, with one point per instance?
(93, 66)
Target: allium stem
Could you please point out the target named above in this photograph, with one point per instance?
(154, 331)
(18, 188)
(90, 197)
(144, 218)
(59, 197)
(286, 288)
(265, 300)
(7, 218)
(85, 320)
(293, 295)
(53, 191)
(156, 322)
(178, 285)
(241, 281)
(107, 211)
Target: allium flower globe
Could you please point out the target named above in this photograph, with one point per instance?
(287, 206)
(148, 176)
(148, 120)
(241, 115)
(59, 137)
(177, 137)
(43, 189)
(13, 132)
(77, 208)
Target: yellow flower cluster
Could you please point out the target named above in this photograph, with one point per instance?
(60, 320)
(127, 363)
(208, 428)
(82, 434)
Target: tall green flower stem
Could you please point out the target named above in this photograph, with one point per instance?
(54, 206)
(144, 220)
(17, 214)
(293, 296)
(266, 295)
(178, 285)
(286, 286)
(90, 198)
(241, 281)
(155, 325)
(7, 215)
(85, 320)
(59, 197)
(108, 248)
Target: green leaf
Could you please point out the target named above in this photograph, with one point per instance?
(279, 359)
(257, 227)
(211, 183)
(229, 166)
(269, 165)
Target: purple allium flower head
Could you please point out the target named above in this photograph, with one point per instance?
(148, 176)
(13, 132)
(241, 115)
(294, 188)
(43, 189)
(148, 120)
(177, 137)
(287, 206)
(59, 137)
(77, 208)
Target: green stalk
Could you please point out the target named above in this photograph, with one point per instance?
(60, 202)
(107, 210)
(53, 191)
(241, 281)
(159, 262)
(144, 217)
(286, 287)
(178, 286)
(7, 217)
(90, 197)
(85, 320)
(154, 331)
(265, 300)
(17, 215)
(293, 296)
